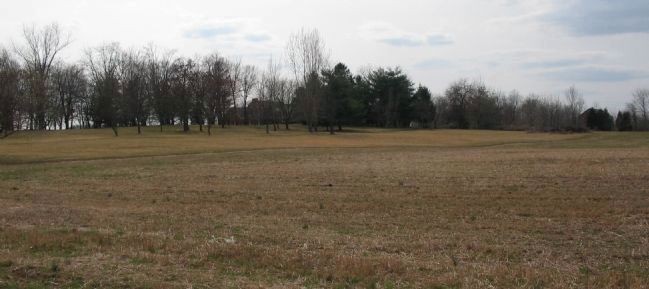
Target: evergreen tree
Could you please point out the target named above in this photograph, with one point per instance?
(422, 107)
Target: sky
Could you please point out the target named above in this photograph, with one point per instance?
(533, 46)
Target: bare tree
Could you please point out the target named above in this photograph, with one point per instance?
(270, 88)
(84, 109)
(234, 81)
(39, 52)
(158, 83)
(575, 105)
(307, 57)
(218, 100)
(286, 100)
(248, 83)
(198, 88)
(263, 102)
(181, 90)
(275, 89)
(640, 107)
(69, 83)
(9, 89)
(133, 77)
(510, 106)
(457, 96)
(103, 65)
(441, 111)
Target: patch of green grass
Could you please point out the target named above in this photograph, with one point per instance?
(75, 283)
(447, 286)
(140, 261)
(64, 243)
(9, 285)
(599, 140)
(84, 170)
(23, 173)
(5, 266)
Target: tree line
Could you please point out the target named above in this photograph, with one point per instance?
(114, 87)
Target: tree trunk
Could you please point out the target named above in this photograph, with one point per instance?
(186, 125)
(235, 117)
(245, 114)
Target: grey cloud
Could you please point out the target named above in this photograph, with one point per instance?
(437, 39)
(434, 63)
(257, 37)
(402, 41)
(594, 74)
(553, 63)
(389, 34)
(412, 41)
(602, 17)
(211, 31)
(242, 31)
(545, 59)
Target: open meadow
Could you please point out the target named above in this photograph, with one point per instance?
(367, 208)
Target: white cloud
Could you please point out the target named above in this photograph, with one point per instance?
(237, 29)
(389, 34)
(238, 37)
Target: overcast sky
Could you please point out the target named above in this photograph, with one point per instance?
(540, 46)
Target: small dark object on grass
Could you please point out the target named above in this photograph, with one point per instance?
(54, 267)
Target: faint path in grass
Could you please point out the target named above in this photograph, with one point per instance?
(93, 145)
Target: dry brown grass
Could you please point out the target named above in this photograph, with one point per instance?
(99, 144)
(368, 209)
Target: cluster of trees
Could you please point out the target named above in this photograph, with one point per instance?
(636, 115)
(472, 105)
(113, 87)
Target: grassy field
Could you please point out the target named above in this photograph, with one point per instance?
(361, 209)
